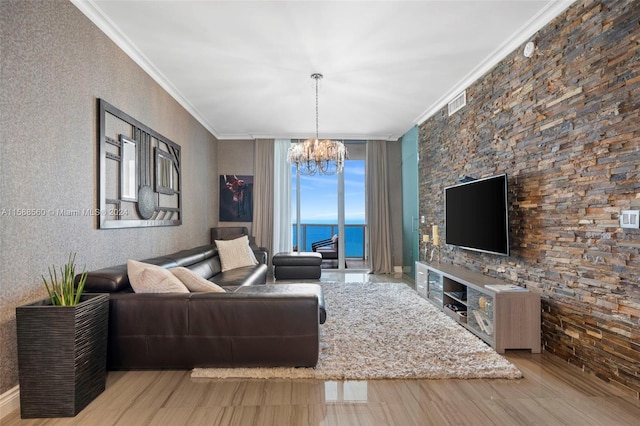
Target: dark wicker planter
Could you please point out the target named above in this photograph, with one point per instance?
(62, 355)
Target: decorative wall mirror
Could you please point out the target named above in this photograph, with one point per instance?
(164, 172)
(128, 169)
(139, 173)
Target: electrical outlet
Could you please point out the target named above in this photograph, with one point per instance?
(630, 219)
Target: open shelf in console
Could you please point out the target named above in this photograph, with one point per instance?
(503, 319)
(455, 299)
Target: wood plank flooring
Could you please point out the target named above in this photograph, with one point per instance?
(551, 393)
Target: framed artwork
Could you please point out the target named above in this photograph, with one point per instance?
(236, 198)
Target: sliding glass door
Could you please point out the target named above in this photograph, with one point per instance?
(326, 206)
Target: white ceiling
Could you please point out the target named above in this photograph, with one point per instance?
(242, 68)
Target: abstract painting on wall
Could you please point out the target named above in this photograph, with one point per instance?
(236, 198)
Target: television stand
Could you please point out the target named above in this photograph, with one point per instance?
(503, 315)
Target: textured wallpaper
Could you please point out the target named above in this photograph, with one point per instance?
(55, 65)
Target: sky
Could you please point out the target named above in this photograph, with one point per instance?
(319, 195)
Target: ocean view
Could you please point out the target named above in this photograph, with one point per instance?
(312, 232)
(319, 205)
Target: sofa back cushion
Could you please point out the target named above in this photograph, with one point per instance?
(203, 260)
(192, 256)
(207, 268)
(107, 280)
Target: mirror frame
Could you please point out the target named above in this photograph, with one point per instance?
(119, 208)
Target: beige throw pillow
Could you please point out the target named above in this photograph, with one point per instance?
(235, 253)
(194, 282)
(147, 278)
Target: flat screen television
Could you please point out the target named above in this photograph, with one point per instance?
(477, 215)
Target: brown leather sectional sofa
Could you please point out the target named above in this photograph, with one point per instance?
(251, 324)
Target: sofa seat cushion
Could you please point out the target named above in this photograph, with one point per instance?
(291, 290)
(246, 275)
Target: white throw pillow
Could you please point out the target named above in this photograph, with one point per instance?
(235, 253)
(147, 278)
(194, 282)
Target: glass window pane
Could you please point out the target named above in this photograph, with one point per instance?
(319, 207)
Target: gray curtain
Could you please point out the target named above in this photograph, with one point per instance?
(282, 229)
(377, 201)
(263, 194)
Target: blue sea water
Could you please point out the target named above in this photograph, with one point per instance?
(354, 236)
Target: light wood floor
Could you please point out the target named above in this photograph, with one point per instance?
(551, 393)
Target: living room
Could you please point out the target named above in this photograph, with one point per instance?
(568, 138)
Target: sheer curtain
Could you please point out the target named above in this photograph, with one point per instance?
(263, 193)
(377, 201)
(282, 234)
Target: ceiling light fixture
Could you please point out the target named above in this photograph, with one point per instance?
(313, 156)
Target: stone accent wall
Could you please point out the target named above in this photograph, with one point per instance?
(565, 126)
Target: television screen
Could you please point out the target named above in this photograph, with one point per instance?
(477, 215)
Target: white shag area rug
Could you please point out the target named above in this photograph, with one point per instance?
(386, 331)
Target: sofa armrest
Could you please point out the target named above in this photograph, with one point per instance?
(261, 254)
(260, 329)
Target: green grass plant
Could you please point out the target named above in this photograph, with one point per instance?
(62, 289)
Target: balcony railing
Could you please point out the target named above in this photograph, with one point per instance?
(354, 238)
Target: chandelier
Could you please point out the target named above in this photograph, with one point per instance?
(313, 156)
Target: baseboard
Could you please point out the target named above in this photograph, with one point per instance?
(9, 401)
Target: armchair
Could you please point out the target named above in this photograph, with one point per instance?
(327, 248)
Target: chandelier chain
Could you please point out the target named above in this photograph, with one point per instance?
(313, 156)
(317, 77)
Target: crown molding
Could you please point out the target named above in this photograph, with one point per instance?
(336, 136)
(542, 18)
(107, 26)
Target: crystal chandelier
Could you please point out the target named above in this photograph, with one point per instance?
(313, 156)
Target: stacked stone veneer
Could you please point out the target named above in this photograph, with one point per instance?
(565, 126)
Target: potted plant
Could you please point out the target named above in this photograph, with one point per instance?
(62, 347)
